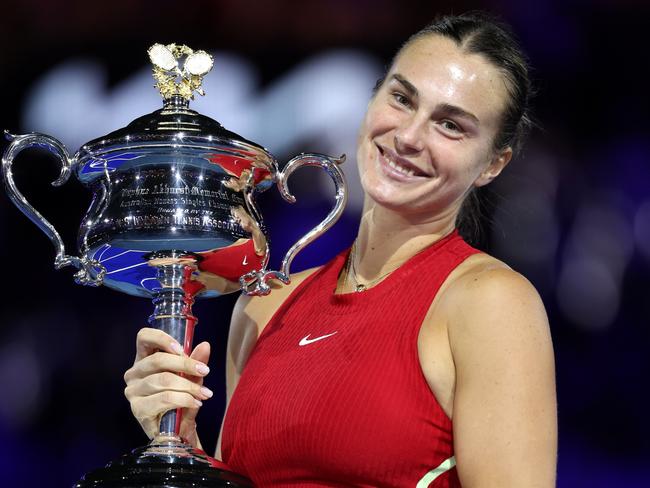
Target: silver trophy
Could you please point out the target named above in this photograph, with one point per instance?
(173, 218)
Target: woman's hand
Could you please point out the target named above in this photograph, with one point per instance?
(154, 384)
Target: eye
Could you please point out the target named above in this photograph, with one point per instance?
(401, 99)
(450, 126)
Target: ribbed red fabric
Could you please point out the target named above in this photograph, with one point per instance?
(333, 393)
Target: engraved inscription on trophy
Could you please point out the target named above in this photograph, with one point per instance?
(184, 202)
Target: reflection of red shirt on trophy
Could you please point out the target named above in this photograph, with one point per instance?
(241, 257)
(221, 268)
(233, 261)
(241, 167)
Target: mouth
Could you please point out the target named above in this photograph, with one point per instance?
(397, 166)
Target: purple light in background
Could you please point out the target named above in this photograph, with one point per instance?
(528, 223)
(526, 230)
(602, 231)
(597, 252)
(625, 164)
(21, 384)
(587, 293)
(553, 36)
(642, 230)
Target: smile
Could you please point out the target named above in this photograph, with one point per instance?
(397, 167)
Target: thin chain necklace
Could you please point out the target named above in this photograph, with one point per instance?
(350, 269)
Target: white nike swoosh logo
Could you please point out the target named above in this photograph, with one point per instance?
(306, 340)
(245, 261)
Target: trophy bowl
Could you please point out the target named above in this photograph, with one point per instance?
(173, 218)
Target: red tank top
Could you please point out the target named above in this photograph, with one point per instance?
(333, 393)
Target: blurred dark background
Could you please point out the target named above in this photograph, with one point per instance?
(572, 213)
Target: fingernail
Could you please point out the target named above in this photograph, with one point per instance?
(202, 368)
(198, 403)
(176, 347)
(206, 392)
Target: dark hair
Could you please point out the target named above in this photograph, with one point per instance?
(480, 33)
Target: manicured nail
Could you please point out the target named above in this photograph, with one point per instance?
(206, 392)
(176, 347)
(198, 403)
(202, 368)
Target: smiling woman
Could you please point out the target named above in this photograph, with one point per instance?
(411, 359)
(427, 138)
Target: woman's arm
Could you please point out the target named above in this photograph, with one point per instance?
(249, 317)
(242, 336)
(504, 409)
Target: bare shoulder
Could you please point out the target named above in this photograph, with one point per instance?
(252, 314)
(487, 303)
(504, 401)
(458, 324)
(489, 296)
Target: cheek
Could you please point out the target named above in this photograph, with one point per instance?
(465, 161)
(367, 132)
(377, 121)
(364, 160)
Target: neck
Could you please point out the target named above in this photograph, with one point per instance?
(387, 239)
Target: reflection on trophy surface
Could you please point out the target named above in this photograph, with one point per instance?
(173, 218)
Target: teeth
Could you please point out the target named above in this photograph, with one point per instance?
(401, 169)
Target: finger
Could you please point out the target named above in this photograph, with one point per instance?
(150, 340)
(189, 418)
(154, 405)
(148, 410)
(165, 381)
(151, 426)
(162, 361)
(201, 352)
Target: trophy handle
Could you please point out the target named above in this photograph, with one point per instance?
(90, 272)
(255, 282)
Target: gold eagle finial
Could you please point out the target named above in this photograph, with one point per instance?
(170, 79)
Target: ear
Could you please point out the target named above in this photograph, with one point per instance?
(499, 161)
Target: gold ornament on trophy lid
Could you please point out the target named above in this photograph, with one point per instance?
(171, 80)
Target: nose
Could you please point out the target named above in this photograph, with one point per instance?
(409, 136)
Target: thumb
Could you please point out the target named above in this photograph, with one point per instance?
(201, 352)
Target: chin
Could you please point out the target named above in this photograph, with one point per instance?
(391, 201)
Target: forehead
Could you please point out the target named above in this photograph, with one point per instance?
(443, 73)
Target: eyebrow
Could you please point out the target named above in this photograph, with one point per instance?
(448, 108)
(408, 86)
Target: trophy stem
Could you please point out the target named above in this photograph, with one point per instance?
(168, 461)
(173, 314)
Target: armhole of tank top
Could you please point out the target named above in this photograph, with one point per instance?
(461, 258)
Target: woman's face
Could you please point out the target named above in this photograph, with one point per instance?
(428, 134)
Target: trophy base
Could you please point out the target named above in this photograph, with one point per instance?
(167, 462)
(161, 475)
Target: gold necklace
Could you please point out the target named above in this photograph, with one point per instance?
(350, 267)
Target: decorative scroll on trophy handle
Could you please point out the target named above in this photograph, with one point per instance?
(255, 283)
(90, 272)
